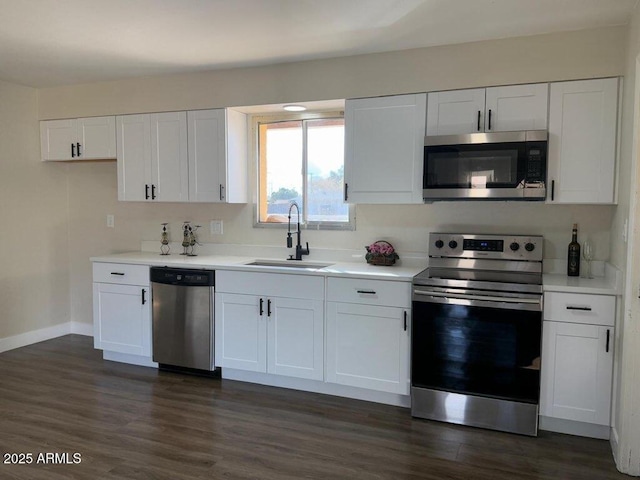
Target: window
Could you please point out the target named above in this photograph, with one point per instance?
(302, 161)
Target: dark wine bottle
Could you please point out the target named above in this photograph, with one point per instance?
(573, 254)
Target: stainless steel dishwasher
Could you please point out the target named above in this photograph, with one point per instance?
(182, 313)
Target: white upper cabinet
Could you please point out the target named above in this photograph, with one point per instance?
(517, 107)
(198, 156)
(384, 145)
(217, 156)
(455, 112)
(495, 109)
(152, 157)
(78, 139)
(582, 141)
(169, 161)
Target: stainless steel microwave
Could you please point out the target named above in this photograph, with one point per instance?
(486, 166)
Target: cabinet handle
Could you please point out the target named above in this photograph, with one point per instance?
(366, 292)
(405, 320)
(221, 192)
(261, 307)
(146, 192)
(117, 273)
(153, 192)
(346, 191)
(582, 309)
(73, 151)
(144, 300)
(478, 120)
(78, 148)
(553, 189)
(489, 119)
(608, 335)
(269, 308)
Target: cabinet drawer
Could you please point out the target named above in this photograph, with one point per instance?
(121, 273)
(370, 292)
(580, 308)
(271, 284)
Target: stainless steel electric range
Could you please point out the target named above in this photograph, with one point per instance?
(476, 332)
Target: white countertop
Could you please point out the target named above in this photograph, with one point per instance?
(607, 283)
(555, 282)
(397, 272)
(607, 279)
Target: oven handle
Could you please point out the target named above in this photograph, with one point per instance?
(478, 298)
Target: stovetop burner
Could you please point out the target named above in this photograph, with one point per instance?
(496, 262)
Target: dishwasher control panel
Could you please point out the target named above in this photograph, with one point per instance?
(182, 276)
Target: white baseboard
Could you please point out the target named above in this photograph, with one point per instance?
(36, 336)
(574, 428)
(317, 387)
(130, 359)
(614, 443)
(80, 328)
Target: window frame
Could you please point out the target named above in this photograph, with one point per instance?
(258, 119)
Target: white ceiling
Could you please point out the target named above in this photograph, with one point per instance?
(46, 43)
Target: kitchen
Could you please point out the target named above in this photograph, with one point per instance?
(60, 221)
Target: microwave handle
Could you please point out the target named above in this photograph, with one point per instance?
(553, 188)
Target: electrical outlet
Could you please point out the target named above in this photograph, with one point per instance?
(110, 221)
(216, 227)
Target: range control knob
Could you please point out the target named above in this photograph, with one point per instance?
(453, 244)
(514, 246)
(439, 244)
(529, 247)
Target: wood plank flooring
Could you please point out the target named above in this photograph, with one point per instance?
(132, 422)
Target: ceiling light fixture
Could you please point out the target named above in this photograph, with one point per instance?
(294, 108)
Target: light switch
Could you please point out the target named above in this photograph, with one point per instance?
(216, 227)
(110, 221)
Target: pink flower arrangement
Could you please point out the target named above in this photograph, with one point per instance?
(381, 253)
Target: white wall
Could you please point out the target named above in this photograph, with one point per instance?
(93, 188)
(34, 280)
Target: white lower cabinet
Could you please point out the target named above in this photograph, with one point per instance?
(268, 332)
(368, 341)
(122, 310)
(577, 357)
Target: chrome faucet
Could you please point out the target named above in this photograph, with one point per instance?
(299, 250)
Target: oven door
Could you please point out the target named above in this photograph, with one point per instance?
(477, 343)
(506, 170)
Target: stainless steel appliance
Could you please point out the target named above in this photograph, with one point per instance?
(182, 312)
(476, 332)
(498, 166)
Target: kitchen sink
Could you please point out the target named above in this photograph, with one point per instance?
(289, 264)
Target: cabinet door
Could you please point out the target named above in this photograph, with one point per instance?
(134, 157)
(241, 332)
(207, 156)
(169, 162)
(517, 107)
(368, 347)
(56, 138)
(582, 141)
(97, 137)
(455, 112)
(384, 149)
(295, 338)
(122, 318)
(577, 365)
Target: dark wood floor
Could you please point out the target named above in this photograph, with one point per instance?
(134, 422)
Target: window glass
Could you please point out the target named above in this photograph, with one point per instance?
(302, 161)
